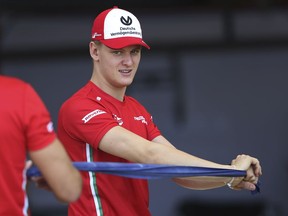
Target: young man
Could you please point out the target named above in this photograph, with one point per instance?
(26, 127)
(100, 123)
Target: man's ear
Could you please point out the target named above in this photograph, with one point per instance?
(93, 48)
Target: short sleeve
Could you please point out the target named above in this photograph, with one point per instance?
(85, 121)
(37, 121)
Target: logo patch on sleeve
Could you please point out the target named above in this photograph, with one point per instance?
(92, 114)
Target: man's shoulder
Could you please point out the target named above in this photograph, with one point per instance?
(12, 81)
(81, 99)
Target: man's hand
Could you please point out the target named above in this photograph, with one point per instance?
(244, 162)
(39, 181)
(253, 172)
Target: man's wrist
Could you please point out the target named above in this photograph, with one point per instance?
(229, 184)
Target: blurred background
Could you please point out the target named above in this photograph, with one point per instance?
(215, 81)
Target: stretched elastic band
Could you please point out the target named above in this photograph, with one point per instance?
(147, 171)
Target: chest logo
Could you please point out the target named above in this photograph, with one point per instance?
(140, 118)
(119, 120)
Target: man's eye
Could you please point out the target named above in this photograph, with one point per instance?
(136, 51)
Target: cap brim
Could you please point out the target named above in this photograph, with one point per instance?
(119, 43)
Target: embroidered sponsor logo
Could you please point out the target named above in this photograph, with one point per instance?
(50, 127)
(127, 21)
(123, 33)
(128, 30)
(96, 35)
(119, 120)
(140, 118)
(92, 115)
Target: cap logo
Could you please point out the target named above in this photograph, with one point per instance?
(127, 21)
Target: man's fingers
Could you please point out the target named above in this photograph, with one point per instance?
(257, 167)
(245, 186)
(250, 176)
(40, 182)
(28, 164)
(243, 162)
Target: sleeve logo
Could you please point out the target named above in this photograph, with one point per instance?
(92, 114)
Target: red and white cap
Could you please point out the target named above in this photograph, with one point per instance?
(117, 28)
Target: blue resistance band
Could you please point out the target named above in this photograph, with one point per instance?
(149, 171)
